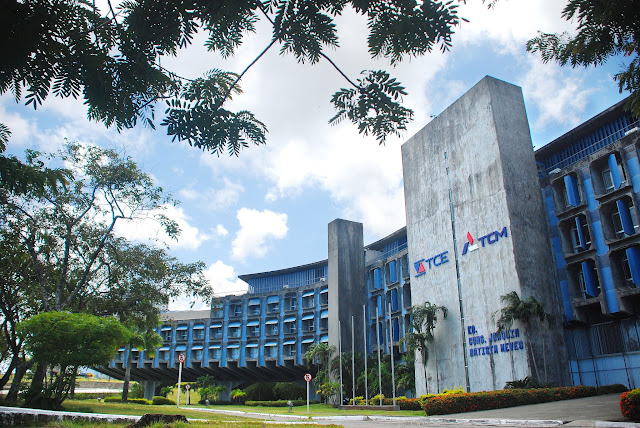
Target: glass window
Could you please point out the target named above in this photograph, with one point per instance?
(617, 223)
(626, 271)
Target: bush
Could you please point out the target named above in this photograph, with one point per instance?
(116, 399)
(216, 403)
(630, 404)
(279, 403)
(260, 391)
(458, 403)
(136, 391)
(616, 388)
(139, 401)
(409, 403)
(93, 395)
(159, 400)
(289, 391)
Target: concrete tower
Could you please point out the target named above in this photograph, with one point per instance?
(476, 231)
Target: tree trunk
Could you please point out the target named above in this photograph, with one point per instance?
(14, 363)
(72, 391)
(21, 369)
(127, 376)
(35, 396)
(533, 357)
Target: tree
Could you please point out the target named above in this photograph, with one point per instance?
(424, 318)
(238, 395)
(347, 372)
(526, 311)
(64, 254)
(605, 30)
(112, 59)
(320, 355)
(67, 341)
(406, 372)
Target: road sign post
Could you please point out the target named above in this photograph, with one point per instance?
(307, 378)
(188, 387)
(181, 359)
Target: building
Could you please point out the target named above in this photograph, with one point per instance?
(485, 216)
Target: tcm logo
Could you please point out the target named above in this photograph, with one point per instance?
(489, 238)
(437, 260)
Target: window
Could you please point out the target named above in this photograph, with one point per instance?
(272, 330)
(235, 310)
(618, 230)
(626, 272)
(377, 279)
(233, 353)
(198, 334)
(289, 350)
(578, 228)
(216, 332)
(253, 307)
(607, 180)
(234, 331)
(290, 303)
(289, 326)
(404, 264)
(217, 312)
(135, 355)
(253, 330)
(588, 280)
(273, 304)
(216, 353)
(307, 325)
(324, 297)
(308, 301)
(182, 333)
(271, 350)
(196, 354)
(252, 351)
(164, 355)
(166, 335)
(391, 272)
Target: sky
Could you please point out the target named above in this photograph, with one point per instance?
(269, 208)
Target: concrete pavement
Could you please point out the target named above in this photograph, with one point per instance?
(601, 412)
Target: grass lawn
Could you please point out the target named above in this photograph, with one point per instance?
(93, 406)
(213, 419)
(314, 410)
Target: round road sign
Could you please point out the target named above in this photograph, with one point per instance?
(187, 387)
(308, 377)
(181, 357)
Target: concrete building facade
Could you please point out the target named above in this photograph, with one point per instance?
(486, 216)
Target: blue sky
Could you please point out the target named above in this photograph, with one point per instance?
(269, 208)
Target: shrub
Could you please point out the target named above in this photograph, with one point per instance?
(260, 391)
(279, 403)
(630, 404)
(94, 395)
(453, 391)
(138, 401)
(458, 403)
(136, 391)
(289, 391)
(616, 388)
(409, 403)
(526, 383)
(159, 400)
(116, 399)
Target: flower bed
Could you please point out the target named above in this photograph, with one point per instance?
(459, 403)
(630, 404)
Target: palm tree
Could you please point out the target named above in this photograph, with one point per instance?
(424, 318)
(148, 342)
(320, 355)
(526, 311)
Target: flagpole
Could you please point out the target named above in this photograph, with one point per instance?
(353, 361)
(393, 376)
(366, 355)
(379, 364)
(340, 354)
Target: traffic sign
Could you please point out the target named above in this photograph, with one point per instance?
(187, 387)
(308, 377)
(181, 357)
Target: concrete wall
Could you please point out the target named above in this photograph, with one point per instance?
(471, 171)
(347, 289)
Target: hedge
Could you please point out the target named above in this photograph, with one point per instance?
(279, 403)
(460, 403)
(630, 404)
(139, 401)
(112, 399)
(159, 400)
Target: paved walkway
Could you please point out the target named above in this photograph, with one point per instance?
(602, 411)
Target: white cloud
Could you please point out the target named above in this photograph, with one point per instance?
(20, 127)
(221, 231)
(148, 229)
(257, 228)
(509, 24)
(188, 194)
(559, 94)
(224, 280)
(226, 196)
